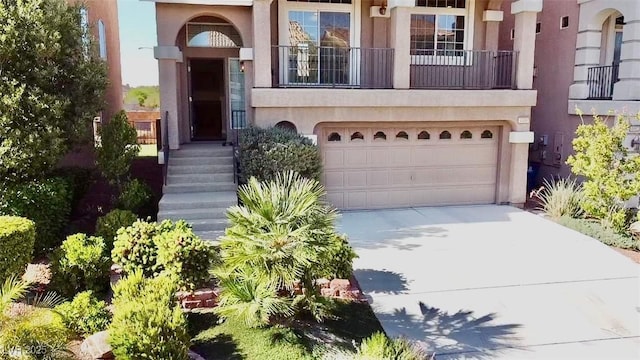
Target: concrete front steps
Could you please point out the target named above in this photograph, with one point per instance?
(200, 187)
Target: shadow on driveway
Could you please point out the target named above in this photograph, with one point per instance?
(381, 281)
(461, 335)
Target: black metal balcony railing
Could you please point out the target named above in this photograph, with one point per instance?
(463, 69)
(601, 80)
(307, 65)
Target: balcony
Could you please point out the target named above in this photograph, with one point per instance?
(601, 80)
(310, 66)
(463, 69)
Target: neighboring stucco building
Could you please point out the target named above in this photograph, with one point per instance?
(102, 18)
(410, 101)
(587, 57)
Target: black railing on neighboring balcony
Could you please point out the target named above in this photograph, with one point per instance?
(463, 69)
(307, 65)
(601, 80)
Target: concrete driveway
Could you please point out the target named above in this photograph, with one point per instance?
(495, 282)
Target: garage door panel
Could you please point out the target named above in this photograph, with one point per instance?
(333, 159)
(400, 172)
(455, 175)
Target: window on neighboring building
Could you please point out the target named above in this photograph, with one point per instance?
(218, 34)
(102, 39)
(538, 28)
(564, 22)
(513, 34)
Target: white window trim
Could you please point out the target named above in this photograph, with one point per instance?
(568, 22)
(354, 9)
(469, 24)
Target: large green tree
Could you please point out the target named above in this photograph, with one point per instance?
(51, 84)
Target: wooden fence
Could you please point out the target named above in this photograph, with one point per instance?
(145, 124)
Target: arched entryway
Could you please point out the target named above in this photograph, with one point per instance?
(212, 79)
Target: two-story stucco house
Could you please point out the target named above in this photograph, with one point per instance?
(410, 101)
(587, 57)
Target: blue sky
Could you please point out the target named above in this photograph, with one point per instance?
(137, 29)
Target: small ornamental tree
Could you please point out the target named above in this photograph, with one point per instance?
(51, 85)
(612, 174)
(117, 149)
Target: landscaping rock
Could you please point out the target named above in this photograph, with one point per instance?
(635, 229)
(340, 284)
(97, 346)
(194, 356)
(323, 283)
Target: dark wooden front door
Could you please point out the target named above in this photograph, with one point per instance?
(207, 98)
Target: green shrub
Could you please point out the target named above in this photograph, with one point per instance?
(135, 196)
(266, 152)
(560, 198)
(282, 233)
(108, 225)
(148, 323)
(117, 149)
(597, 231)
(612, 174)
(134, 248)
(81, 264)
(380, 347)
(32, 329)
(184, 256)
(37, 334)
(79, 180)
(46, 202)
(337, 261)
(17, 236)
(85, 315)
(167, 248)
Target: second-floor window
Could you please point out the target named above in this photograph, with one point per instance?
(441, 31)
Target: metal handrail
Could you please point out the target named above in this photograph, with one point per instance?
(601, 80)
(238, 122)
(463, 69)
(165, 147)
(308, 65)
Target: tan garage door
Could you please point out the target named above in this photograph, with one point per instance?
(367, 167)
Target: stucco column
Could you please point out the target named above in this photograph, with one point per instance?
(628, 88)
(400, 41)
(519, 140)
(167, 57)
(524, 41)
(262, 43)
(492, 19)
(588, 44)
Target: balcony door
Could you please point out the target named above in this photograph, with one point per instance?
(319, 47)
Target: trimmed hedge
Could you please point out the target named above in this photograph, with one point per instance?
(597, 231)
(46, 202)
(17, 236)
(267, 152)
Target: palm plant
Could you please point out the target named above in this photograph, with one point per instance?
(278, 236)
(35, 326)
(560, 198)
